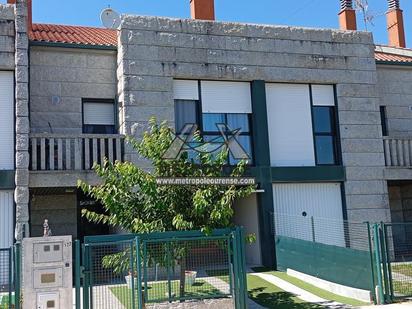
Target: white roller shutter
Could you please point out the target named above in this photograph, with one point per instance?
(323, 95)
(98, 113)
(226, 97)
(6, 120)
(185, 89)
(290, 125)
(6, 218)
(322, 201)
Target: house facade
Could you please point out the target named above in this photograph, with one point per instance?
(325, 114)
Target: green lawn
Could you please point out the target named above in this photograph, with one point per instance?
(270, 296)
(317, 291)
(4, 303)
(222, 274)
(404, 269)
(159, 292)
(402, 286)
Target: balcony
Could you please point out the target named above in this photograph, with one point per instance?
(398, 152)
(70, 157)
(398, 158)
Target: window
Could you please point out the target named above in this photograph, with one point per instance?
(98, 116)
(384, 124)
(186, 112)
(209, 103)
(324, 130)
(232, 122)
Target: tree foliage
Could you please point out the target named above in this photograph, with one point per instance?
(134, 201)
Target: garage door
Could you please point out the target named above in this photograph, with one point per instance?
(6, 219)
(309, 211)
(6, 120)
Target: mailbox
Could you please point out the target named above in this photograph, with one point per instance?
(47, 272)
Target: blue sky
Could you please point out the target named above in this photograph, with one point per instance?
(310, 13)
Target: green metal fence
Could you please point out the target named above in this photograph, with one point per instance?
(392, 247)
(10, 277)
(333, 250)
(134, 271)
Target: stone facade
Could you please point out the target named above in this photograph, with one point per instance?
(67, 75)
(395, 92)
(21, 194)
(7, 31)
(153, 50)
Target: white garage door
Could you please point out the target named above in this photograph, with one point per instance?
(6, 120)
(309, 211)
(6, 219)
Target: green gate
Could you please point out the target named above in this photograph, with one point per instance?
(10, 277)
(131, 271)
(393, 260)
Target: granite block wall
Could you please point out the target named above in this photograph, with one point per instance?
(67, 74)
(153, 51)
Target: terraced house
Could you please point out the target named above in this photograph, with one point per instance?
(325, 114)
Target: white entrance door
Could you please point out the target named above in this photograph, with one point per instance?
(309, 211)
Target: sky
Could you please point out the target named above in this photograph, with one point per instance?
(307, 13)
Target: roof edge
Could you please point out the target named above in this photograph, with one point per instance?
(72, 45)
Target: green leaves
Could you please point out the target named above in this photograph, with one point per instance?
(133, 200)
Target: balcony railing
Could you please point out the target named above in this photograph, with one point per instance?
(49, 152)
(398, 152)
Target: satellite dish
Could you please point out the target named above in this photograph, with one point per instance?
(110, 18)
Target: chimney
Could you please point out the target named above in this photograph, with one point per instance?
(347, 15)
(29, 12)
(396, 28)
(202, 9)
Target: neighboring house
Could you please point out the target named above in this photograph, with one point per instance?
(312, 105)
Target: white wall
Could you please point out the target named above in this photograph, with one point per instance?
(290, 125)
(246, 215)
(6, 120)
(322, 201)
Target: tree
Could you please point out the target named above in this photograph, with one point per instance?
(133, 200)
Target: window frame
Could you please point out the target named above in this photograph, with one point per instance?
(384, 120)
(102, 101)
(334, 133)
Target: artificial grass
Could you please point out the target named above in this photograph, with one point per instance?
(315, 290)
(158, 292)
(270, 296)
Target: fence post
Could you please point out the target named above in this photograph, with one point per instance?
(10, 275)
(17, 263)
(380, 295)
(77, 272)
(132, 273)
(368, 226)
(312, 223)
(86, 279)
(139, 272)
(236, 269)
(243, 275)
(384, 262)
(388, 259)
